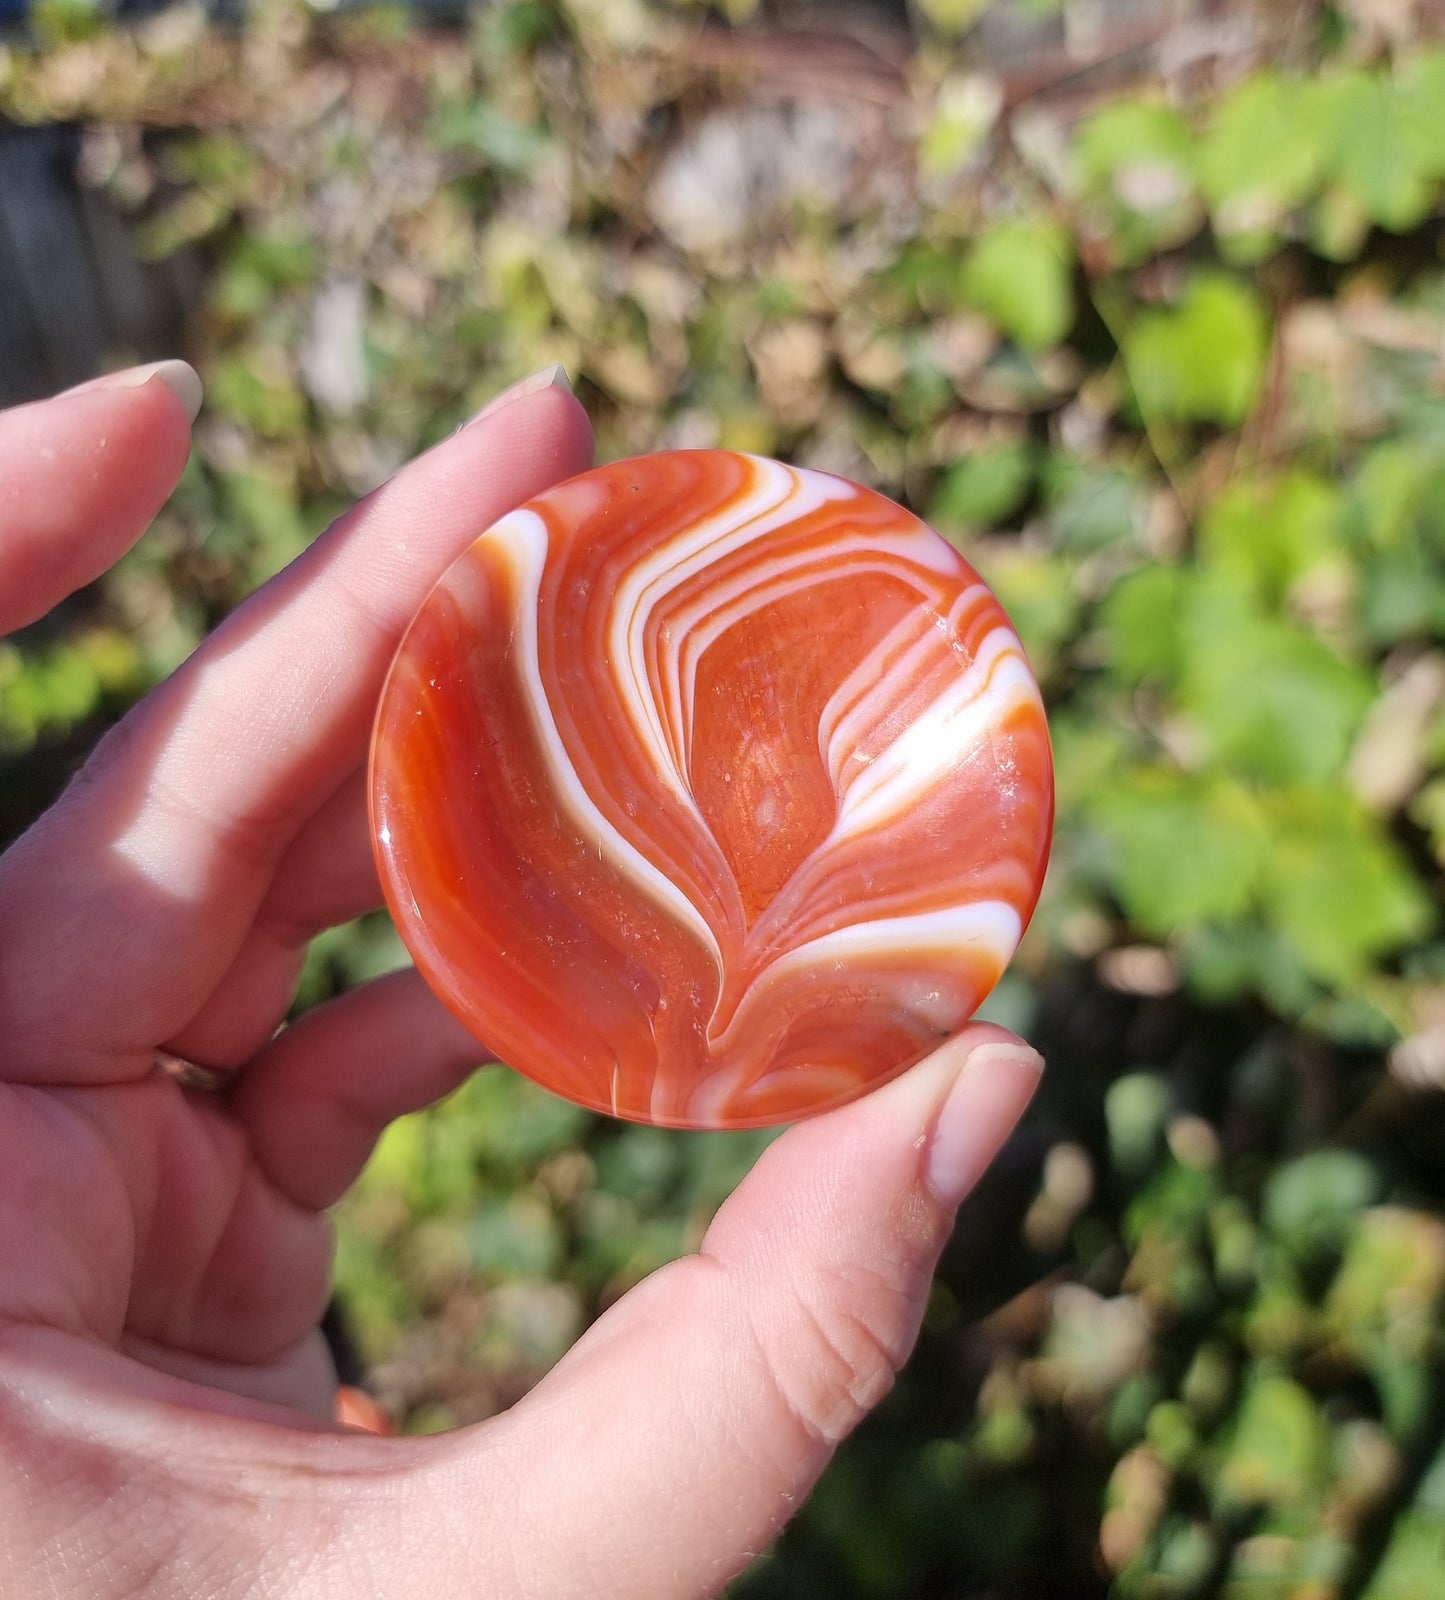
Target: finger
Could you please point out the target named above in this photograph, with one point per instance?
(210, 1258)
(81, 477)
(326, 877)
(129, 900)
(318, 1097)
(710, 1398)
(302, 1378)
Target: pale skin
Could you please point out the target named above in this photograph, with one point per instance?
(165, 1254)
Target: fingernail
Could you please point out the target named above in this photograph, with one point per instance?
(990, 1094)
(553, 377)
(179, 377)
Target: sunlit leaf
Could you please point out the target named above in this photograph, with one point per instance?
(1204, 361)
(1266, 535)
(1261, 155)
(1182, 852)
(1413, 1560)
(1135, 166)
(1021, 275)
(1336, 887)
(1370, 147)
(1273, 700)
(1140, 621)
(953, 17)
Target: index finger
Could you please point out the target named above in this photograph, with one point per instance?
(81, 476)
(127, 902)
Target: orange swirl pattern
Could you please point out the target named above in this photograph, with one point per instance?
(711, 792)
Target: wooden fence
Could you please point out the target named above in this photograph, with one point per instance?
(73, 295)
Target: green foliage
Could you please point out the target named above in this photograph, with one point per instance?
(61, 22)
(1020, 274)
(1410, 1569)
(473, 125)
(984, 489)
(1259, 159)
(1202, 362)
(1277, 1452)
(1265, 536)
(1366, 904)
(1183, 853)
(953, 16)
(1135, 163)
(1312, 1203)
(50, 690)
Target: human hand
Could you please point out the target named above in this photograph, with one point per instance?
(165, 1254)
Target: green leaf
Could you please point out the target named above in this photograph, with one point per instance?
(1181, 851)
(53, 689)
(1259, 158)
(639, 1162)
(953, 17)
(1279, 1450)
(1135, 165)
(519, 26)
(1274, 701)
(1088, 752)
(1207, 1386)
(1224, 962)
(261, 516)
(984, 488)
(511, 1122)
(1172, 1210)
(1021, 275)
(1090, 506)
(512, 147)
(1187, 1554)
(221, 161)
(1406, 1387)
(1311, 1204)
(400, 1156)
(1370, 148)
(1399, 491)
(260, 394)
(925, 274)
(1419, 95)
(58, 23)
(1040, 597)
(1402, 596)
(1266, 535)
(1389, 1285)
(1140, 623)
(1413, 1561)
(1136, 1108)
(515, 1236)
(1336, 887)
(1128, 131)
(1203, 362)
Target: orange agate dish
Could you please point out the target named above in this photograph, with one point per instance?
(711, 792)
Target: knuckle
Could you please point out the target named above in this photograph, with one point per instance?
(848, 1334)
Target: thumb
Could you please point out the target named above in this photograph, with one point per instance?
(686, 1427)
